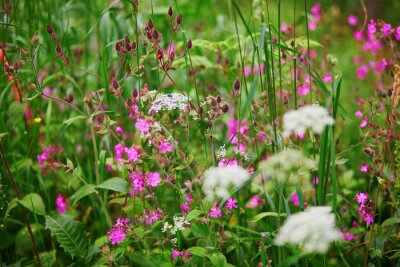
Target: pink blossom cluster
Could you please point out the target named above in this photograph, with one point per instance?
(118, 232)
(47, 155)
(184, 254)
(256, 69)
(185, 208)
(233, 132)
(254, 202)
(139, 180)
(366, 207)
(316, 16)
(150, 216)
(216, 211)
(132, 154)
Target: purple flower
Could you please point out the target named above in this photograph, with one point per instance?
(165, 146)
(215, 211)
(386, 29)
(295, 199)
(352, 20)
(361, 198)
(153, 179)
(368, 218)
(231, 203)
(175, 254)
(364, 168)
(142, 126)
(61, 204)
(118, 232)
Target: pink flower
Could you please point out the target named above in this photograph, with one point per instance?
(358, 35)
(364, 123)
(185, 208)
(397, 34)
(61, 204)
(364, 168)
(371, 27)
(295, 199)
(228, 162)
(352, 20)
(231, 203)
(118, 232)
(153, 179)
(175, 254)
(165, 146)
(313, 53)
(359, 114)
(349, 237)
(327, 78)
(132, 153)
(312, 25)
(118, 130)
(368, 218)
(316, 10)
(153, 217)
(215, 211)
(361, 198)
(142, 126)
(137, 180)
(386, 29)
(284, 27)
(315, 180)
(303, 89)
(247, 71)
(254, 202)
(362, 72)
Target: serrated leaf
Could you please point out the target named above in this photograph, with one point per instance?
(115, 184)
(34, 203)
(267, 214)
(81, 193)
(193, 214)
(69, 234)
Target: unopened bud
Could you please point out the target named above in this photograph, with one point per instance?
(49, 29)
(236, 85)
(170, 11)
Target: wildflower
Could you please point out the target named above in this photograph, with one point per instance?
(247, 71)
(304, 89)
(313, 229)
(118, 232)
(47, 155)
(295, 199)
(118, 130)
(169, 102)
(386, 29)
(137, 180)
(218, 180)
(358, 35)
(364, 168)
(61, 204)
(371, 27)
(152, 217)
(364, 122)
(362, 72)
(397, 34)
(361, 198)
(359, 114)
(254, 202)
(352, 20)
(327, 78)
(368, 219)
(131, 153)
(231, 203)
(314, 117)
(221, 152)
(175, 254)
(284, 27)
(179, 224)
(215, 211)
(165, 146)
(142, 126)
(153, 179)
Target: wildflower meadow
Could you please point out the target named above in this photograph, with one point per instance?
(159, 133)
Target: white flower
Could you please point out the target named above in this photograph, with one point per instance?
(221, 152)
(179, 225)
(219, 180)
(174, 240)
(166, 227)
(313, 229)
(288, 166)
(312, 117)
(169, 102)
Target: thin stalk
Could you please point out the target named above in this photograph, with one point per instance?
(26, 218)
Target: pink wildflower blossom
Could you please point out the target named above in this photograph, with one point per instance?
(364, 168)
(386, 29)
(142, 126)
(361, 198)
(215, 211)
(364, 123)
(231, 203)
(352, 20)
(295, 199)
(153, 179)
(368, 218)
(118, 232)
(175, 254)
(61, 204)
(165, 146)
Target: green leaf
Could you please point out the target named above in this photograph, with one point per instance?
(391, 221)
(193, 214)
(140, 260)
(217, 259)
(199, 230)
(198, 251)
(69, 234)
(81, 193)
(2, 135)
(34, 203)
(74, 119)
(115, 184)
(267, 214)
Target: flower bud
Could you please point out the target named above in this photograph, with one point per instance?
(49, 29)
(236, 85)
(170, 11)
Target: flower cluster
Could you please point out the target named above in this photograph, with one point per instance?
(313, 229)
(218, 180)
(47, 155)
(312, 117)
(169, 102)
(366, 208)
(118, 232)
(131, 153)
(179, 224)
(139, 180)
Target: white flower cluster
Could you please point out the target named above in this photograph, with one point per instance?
(221, 152)
(313, 229)
(218, 180)
(288, 166)
(312, 117)
(179, 225)
(169, 102)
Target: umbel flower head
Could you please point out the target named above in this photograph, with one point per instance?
(169, 102)
(312, 117)
(313, 230)
(219, 180)
(289, 166)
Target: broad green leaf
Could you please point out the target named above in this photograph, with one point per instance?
(115, 184)
(267, 214)
(34, 203)
(217, 259)
(391, 221)
(74, 119)
(198, 251)
(23, 242)
(140, 260)
(69, 234)
(193, 214)
(199, 230)
(81, 193)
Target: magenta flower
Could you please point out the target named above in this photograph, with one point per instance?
(175, 254)
(137, 180)
(364, 168)
(361, 198)
(228, 162)
(359, 114)
(349, 237)
(152, 217)
(386, 29)
(254, 202)
(231, 203)
(358, 35)
(118, 130)
(371, 27)
(352, 20)
(303, 89)
(364, 122)
(165, 146)
(327, 78)
(284, 27)
(153, 179)
(61, 204)
(362, 72)
(368, 218)
(295, 199)
(142, 126)
(247, 70)
(215, 211)
(118, 232)
(397, 34)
